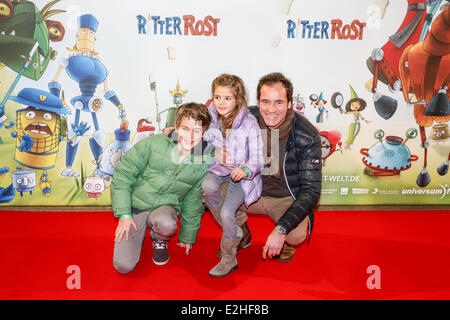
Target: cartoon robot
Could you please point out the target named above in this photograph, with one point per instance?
(330, 141)
(21, 26)
(38, 132)
(425, 73)
(94, 186)
(84, 67)
(177, 95)
(439, 133)
(114, 152)
(24, 181)
(299, 105)
(6, 194)
(143, 131)
(383, 62)
(390, 156)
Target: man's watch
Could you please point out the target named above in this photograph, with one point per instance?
(280, 229)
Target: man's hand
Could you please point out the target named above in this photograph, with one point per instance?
(168, 130)
(238, 174)
(124, 226)
(274, 244)
(185, 245)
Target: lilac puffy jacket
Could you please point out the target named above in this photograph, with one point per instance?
(245, 146)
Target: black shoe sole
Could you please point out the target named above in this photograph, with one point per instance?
(160, 263)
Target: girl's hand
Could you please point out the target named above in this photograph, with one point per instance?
(238, 174)
(184, 245)
(124, 226)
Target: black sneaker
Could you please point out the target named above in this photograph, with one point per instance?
(160, 252)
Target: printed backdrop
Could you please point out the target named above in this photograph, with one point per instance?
(358, 69)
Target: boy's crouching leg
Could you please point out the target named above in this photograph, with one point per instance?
(126, 255)
(163, 221)
(124, 266)
(128, 252)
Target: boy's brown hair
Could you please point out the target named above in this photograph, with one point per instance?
(197, 111)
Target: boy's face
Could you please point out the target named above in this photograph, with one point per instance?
(190, 132)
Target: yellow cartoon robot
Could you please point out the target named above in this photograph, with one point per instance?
(38, 132)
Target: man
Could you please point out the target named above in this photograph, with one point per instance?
(159, 178)
(291, 179)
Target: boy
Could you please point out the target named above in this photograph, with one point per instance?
(157, 180)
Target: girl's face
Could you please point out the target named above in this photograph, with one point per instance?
(224, 100)
(355, 105)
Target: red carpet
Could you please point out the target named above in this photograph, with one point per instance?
(412, 250)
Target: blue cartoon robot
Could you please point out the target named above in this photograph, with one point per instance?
(6, 194)
(24, 181)
(84, 67)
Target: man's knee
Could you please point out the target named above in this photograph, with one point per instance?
(295, 239)
(241, 217)
(299, 234)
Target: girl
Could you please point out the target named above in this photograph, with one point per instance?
(354, 106)
(236, 132)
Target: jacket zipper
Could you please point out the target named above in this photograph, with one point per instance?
(287, 184)
(284, 173)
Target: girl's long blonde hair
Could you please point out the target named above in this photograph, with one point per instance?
(240, 95)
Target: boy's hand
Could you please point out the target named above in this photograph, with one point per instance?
(238, 174)
(184, 245)
(124, 226)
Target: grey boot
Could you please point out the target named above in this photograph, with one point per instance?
(228, 261)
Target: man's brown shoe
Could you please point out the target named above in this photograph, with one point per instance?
(246, 240)
(287, 253)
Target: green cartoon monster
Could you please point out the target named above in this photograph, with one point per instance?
(21, 26)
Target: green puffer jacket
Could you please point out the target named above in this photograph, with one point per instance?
(149, 176)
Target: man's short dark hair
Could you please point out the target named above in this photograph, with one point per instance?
(273, 78)
(197, 111)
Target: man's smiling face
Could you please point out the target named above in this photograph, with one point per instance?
(273, 104)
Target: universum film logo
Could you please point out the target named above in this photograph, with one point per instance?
(444, 191)
(187, 25)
